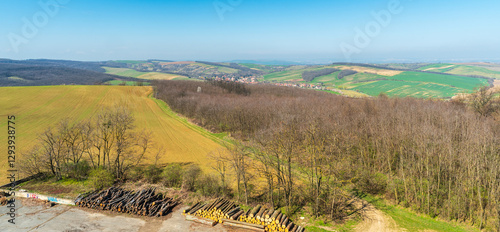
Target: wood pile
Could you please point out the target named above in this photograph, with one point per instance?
(144, 202)
(215, 211)
(258, 218)
(272, 220)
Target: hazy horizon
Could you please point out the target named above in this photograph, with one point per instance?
(309, 32)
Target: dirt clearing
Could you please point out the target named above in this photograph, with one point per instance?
(374, 219)
(33, 215)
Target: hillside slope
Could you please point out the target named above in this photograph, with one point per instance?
(37, 75)
(372, 80)
(37, 108)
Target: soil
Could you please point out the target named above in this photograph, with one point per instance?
(375, 220)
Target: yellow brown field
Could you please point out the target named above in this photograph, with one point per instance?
(37, 108)
(383, 72)
(159, 76)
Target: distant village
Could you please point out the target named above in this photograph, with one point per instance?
(254, 80)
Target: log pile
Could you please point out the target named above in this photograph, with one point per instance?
(272, 220)
(258, 218)
(144, 202)
(216, 211)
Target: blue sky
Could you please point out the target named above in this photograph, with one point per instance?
(321, 30)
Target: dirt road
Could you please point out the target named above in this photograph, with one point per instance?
(375, 220)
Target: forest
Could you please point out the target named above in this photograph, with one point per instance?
(90, 66)
(310, 75)
(297, 148)
(15, 74)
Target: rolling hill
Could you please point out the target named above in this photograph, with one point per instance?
(421, 80)
(127, 72)
(31, 75)
(37, 108)
(372, 80)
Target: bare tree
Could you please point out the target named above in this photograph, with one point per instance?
(484, 102)
(238, 157)
(221, 164)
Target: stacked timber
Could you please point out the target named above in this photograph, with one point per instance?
(258, 218)
(215, 211)
(144, 202)
(272, 220)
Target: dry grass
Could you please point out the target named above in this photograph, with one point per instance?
(37, 108)
(352, 93)
(383, 72)
(159, 76)
(496, 84)
(444, 67)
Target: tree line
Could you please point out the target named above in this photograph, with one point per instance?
(37, 75)
(346, 72)
(106, 142)
(312, 148)
(310, 75)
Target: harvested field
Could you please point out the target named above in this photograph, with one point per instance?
(382, 72)
(37, 108)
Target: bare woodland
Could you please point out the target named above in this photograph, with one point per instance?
(313, 149)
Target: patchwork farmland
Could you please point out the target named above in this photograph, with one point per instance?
(372, 81)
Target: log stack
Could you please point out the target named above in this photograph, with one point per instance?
(258, 218)
(272, 220)
(216, 211)
(144, 202)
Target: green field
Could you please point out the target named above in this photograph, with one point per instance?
(475, 71)
(254, 66)
(37, 108)
(372, 81)
(467, 83)
(413, 222)
(124, 72)
(293, 74)
(127, 83)
(263, 68)
(407, 89)
(127, 72)
(212, 68)
(438, 67)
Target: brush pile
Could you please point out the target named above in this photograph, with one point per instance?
(258, 218)
(144, 202)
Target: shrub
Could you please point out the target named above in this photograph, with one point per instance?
(78, 171)
(101, 178)
(208, 185)
(152, 174)
(136, 173)
(372, 183)
(190, 175)
(172, 176)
